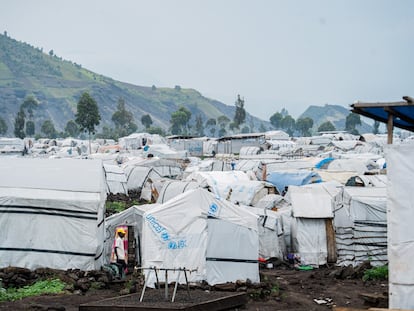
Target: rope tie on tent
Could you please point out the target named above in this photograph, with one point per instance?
(166, 270)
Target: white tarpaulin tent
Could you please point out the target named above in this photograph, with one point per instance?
(271, 233)
(51, 213)
(361, 225)
(207, 165)
(131, 217)
(235, 186)
(172, 188)
(400, 206)
(116, 180)
(311, 205)
(163, 167)
(197, 230)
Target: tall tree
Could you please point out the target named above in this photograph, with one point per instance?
(245, 129)
(30, 103)
(351, 122)
(222, 121)
(3, 126)
(156, 130)
(326, 127)
(240, 113)
(48, 128)
(276, 120)
(284, 112)
(199, 128)
(72, 128)
(288, 124)
(123, 119)
(19, 124)
(87, 116)
(232, 126)
(211, 126)
(30, 128)
(303, 125)
(180, 121)
(108, 133)
(146, 121)
(222, 132)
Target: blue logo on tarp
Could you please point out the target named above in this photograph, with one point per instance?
(177, 244)
(163, 234)
(213, 210)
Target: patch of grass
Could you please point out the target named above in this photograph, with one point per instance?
(116, 207)
(376, 273)
(54, 286)
(275, 290)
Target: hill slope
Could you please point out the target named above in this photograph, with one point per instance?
(58, 84)
(335, 114)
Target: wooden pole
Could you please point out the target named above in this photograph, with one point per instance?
(390, 127)
(330, 241)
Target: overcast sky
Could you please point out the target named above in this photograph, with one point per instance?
(276, 54)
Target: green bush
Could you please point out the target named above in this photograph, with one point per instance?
(376, 273)
(115, 207)
(54, 286)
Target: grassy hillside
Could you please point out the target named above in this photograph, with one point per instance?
(335, 114)
(57, 85)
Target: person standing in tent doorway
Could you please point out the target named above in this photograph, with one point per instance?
(233, 164)
(119, 251)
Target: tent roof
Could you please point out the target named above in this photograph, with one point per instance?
(52, 174)
(184, 207)
(313, 201)
(292, 178)
(403, 112)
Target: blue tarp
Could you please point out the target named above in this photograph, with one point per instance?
(297, 178)
(324, 162)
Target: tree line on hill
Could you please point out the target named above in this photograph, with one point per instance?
(87, 118)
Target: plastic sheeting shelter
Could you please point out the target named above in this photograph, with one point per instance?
(163, 167)
(116, 180)
(312, 206)
(172, 188)
(400, 206)
(131, 217)
(207, 165)
(198, 231)
(361, 225)
(235, 186)
(281, 180)
(271, 233)
(358, 165)
(51, 213)
(11, 145)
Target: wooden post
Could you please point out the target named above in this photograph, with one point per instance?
(390, 127)
(330, 241)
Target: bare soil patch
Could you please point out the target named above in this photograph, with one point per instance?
(280, 289)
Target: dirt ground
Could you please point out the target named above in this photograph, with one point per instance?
(281, 289)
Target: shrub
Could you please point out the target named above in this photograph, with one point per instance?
(376, 273)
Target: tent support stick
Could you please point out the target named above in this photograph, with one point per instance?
(166, 284)
(145, 286)
(186, 281)
(176, 286)
(158, 281)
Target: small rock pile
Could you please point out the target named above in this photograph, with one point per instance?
(76, 279)
(351, 272)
